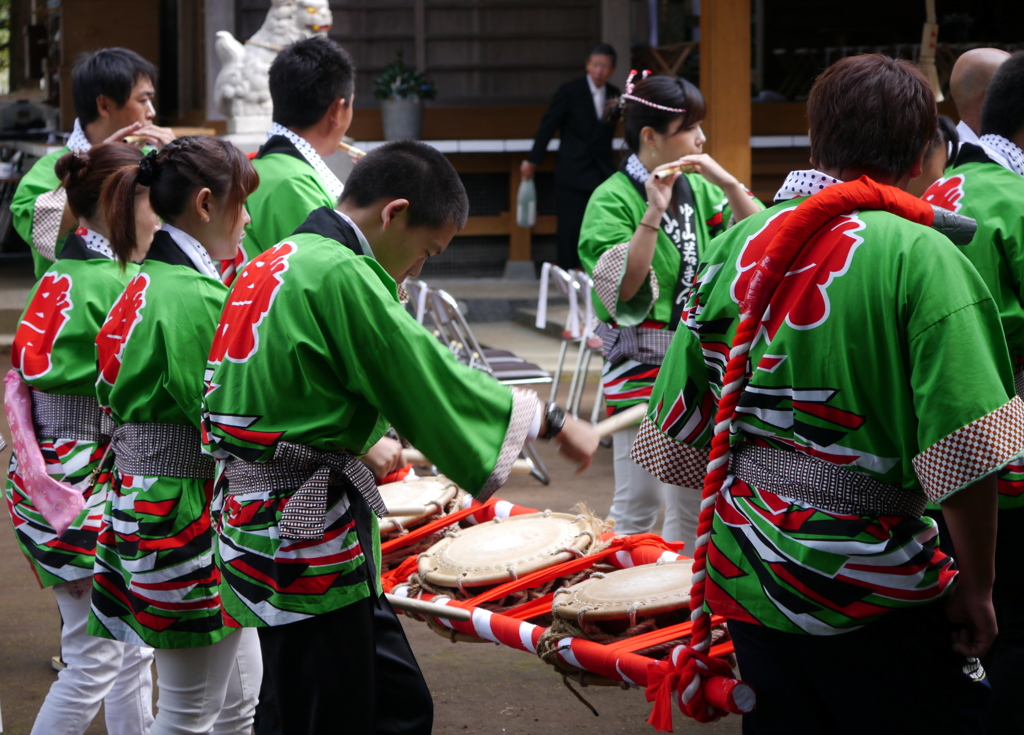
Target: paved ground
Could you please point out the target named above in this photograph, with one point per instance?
(478, 688)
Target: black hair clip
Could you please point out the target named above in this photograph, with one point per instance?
(147, 169)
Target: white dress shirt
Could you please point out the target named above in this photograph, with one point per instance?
(599, 94)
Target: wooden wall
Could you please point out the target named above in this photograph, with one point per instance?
(87, 25)
(479, 52)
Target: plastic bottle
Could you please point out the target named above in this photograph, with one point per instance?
(526, 204)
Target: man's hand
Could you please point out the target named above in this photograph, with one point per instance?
(975, 618)
(156, 136)
(527, 170)
(123, 133)
(578, 440)
(383, 458)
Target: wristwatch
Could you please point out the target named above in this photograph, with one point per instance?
(555, 418)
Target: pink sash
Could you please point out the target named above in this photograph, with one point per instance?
(58, 502)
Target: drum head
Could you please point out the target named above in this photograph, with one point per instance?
(648, 590)
(493, 553)
(430, 493)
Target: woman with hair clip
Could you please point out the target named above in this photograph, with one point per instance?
(54, 353)
(641, 241)
(156, 582)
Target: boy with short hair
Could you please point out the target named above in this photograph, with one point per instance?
(317, 317)
(311, 84)
(877, 379)
(112, 90)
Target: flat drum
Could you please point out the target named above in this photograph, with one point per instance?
(505, 549)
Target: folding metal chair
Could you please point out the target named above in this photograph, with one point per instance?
(502, 365)
(579, 329)
(417, 291)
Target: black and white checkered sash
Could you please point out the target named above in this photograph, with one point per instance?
(161, 450)
(797, 476)
(310, 470)
(642, 344)
(70, 417)
(1018, 384)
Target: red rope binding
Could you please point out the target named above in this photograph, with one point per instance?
(706, 689)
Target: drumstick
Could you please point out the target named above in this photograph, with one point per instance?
(407, 510)
(606, 428)
(621, 420)
(433, 609)
(678, 169)
(351, 150)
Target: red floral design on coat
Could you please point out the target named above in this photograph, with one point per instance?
(251, 297)
(124, 316)
(801, 300)
(946, 193)
(45, 317)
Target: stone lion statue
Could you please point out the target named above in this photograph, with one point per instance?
(242, 89)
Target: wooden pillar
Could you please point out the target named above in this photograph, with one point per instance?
(615, 29)
(725, 82)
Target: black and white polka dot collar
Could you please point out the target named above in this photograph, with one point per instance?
(1004, 152)
(636, 170)
(804, 184)
(95, 242)
(77, 140)
(333, 184)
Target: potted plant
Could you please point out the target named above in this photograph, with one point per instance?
(401, 89)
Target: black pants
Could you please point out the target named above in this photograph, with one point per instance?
(1004, 662)
(570, 204)
(897, 675)
(350, 671)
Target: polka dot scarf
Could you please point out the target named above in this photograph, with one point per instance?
(804, 184)
(1003, 152)
(77, 140)
(95, 242)
(334, 186)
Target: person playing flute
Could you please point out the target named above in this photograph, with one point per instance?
(112, 90)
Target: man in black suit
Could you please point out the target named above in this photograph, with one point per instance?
(579, 109)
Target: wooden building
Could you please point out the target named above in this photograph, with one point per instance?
(496, 62)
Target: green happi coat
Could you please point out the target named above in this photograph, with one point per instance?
(37, 209)
(54, 351)
(314, 348)
(882, 352)
(612, 216)
(156, 581)
(289, 190)
(993, 196)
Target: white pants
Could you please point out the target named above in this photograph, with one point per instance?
(98, 670)
(639, 496)
(210, 689)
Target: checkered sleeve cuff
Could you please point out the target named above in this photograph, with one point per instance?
(46, 217)
(972, 452)
(670, 461)
(608, 274)
(524, 408)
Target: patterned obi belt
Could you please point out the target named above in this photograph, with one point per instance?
(797, 476)
(70, 417)
(161, 450)
(310, 470)
(646, 343)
